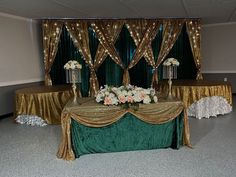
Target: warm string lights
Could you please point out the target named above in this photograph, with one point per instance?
(113, 28)
(137, 30)
(148, 33)
(107, 31)
(79, 34)
(51, 37)
(194, 31)
(104, 37)
(172, 29)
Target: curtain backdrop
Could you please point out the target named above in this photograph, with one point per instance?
(123, 43)
(171, 31)
(194, 32)
(51, 37)
(143, 35)
(79, 34)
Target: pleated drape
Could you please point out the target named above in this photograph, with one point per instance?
(51, 36)
(171, 31)
(143, 33)
(79, 33)
(194, 33)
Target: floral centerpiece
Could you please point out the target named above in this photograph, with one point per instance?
(170, 70)
(171, 62)
(72, 64)
(73, 75)
(126, 96)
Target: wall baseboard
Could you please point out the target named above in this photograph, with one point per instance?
(6, 115)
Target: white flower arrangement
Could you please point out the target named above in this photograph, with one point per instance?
(72, 64)
(126, 95)
(171, 62)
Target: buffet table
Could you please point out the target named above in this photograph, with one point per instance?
(42, 102)
(95, 128)
(202, 98)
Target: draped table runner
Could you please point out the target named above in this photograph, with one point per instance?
(45, 102)
(91, 122)
(202, 98)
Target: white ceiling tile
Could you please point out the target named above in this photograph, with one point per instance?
(152, 8)
(211, 11)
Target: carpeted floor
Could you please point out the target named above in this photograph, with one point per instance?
(31, 152)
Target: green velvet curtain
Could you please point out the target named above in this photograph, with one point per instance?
(67, 51)
(182, 51)
(110, 73)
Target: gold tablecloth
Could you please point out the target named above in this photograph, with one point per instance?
(190, 91)
(93, 114)
(46, 102)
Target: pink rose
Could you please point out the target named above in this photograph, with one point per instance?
(107, 101)
(130, 99)
(122, 99)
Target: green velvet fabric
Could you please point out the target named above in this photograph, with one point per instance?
(129, 133)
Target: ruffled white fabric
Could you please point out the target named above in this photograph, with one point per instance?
(31, 120)
(209, 106)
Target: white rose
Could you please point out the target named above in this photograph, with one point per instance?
(73, 67)
(146, 100)
(171, 59)
(118, 92)
(167, 63)
(137, 98)
(155, 99)
(99, 98)
(124, 92)
(129, 93)
(147, 91)
(111, 95)
(115, 101)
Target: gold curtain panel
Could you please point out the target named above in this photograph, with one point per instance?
(93, 114)
(190, 91)
(143, 31)
(51, 37)
(46, 102)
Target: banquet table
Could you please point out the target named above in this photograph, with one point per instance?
(43, 102)
(92, 127)
(202, 98)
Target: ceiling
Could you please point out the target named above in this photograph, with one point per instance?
(211, 11)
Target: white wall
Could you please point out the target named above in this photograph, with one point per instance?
(20, 50)
(219, 48)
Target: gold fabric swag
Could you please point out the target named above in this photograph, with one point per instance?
(143, 32)
(93, 114)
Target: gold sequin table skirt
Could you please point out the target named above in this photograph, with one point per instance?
(46, 102)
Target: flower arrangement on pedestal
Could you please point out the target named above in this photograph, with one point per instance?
(73, 75)
(171, 67)
(126, 96)
(72, 64)
(171, 62)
